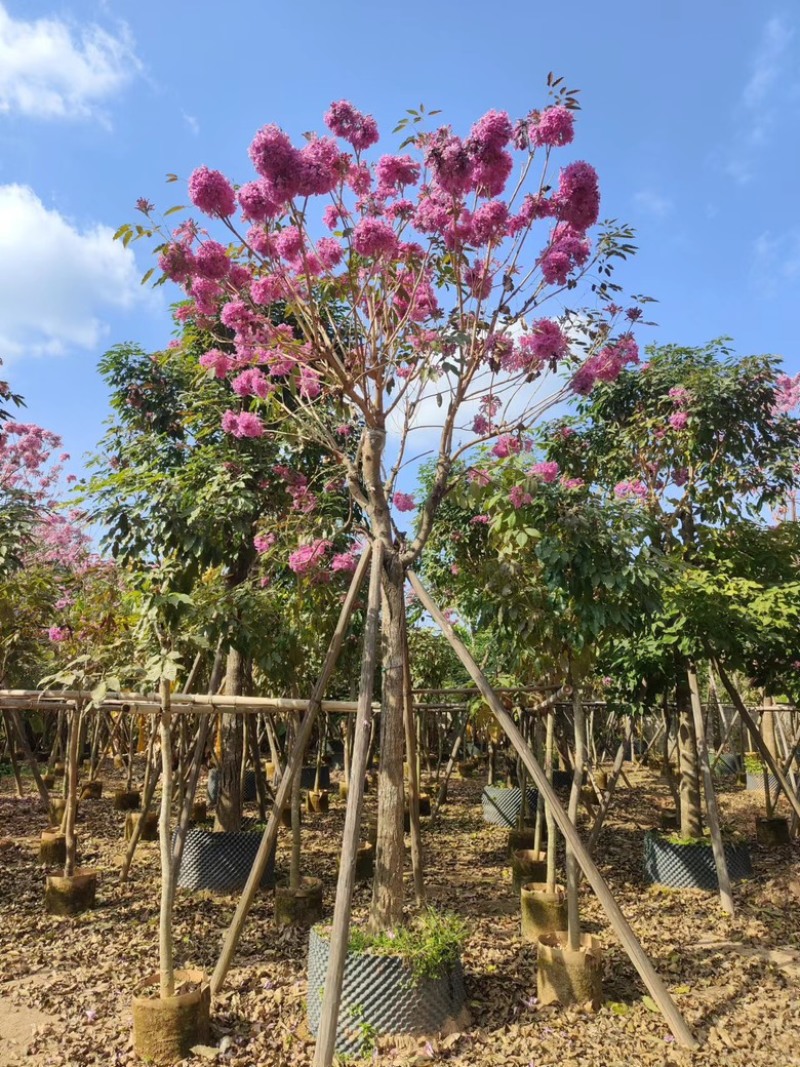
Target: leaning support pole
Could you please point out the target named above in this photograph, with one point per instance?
(234, 931)
(621, 927)
(758, 740)
(340, 930)
(16, 719)
(725, 892)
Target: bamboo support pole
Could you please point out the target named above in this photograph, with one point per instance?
(340, 930)
(758, 740)
(725, 892)
(29, 757)
(449, 768)
(295, 762)
(619, 923)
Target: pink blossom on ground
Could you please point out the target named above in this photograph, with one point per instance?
(404, 501)
(308, 557)
(262, 543)
(519, 497)
(548, 471)
(212, 193)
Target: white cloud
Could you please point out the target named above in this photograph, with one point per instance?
(776, 261)
(759, 106)
(651, 202)
(192, 123)
(49, 70)
(57, 281)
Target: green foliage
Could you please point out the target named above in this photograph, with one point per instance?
(429, 945)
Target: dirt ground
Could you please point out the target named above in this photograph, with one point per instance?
(66, 984)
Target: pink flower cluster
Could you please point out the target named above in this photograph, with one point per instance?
(606, 365)
(404, 501)
(630, 489)
(262, 543)
(547, 471)
(519, 497)
(242, 424)
(787, 394)
(308, 558)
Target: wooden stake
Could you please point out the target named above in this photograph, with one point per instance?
(234, 931)
(758, 740)
(619, 923)
(340, 930)
(725, 893)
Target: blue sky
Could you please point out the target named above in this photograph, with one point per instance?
(691, 114)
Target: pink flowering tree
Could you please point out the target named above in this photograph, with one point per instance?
(417, 283)
(702, 442)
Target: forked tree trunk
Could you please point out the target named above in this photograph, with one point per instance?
(387, 887)
(228, 816)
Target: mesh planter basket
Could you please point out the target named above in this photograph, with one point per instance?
(380, 996)
(221, 861)
(692, 866)
(502, 806)
(727, 763)
(250, 792)
(755, 782)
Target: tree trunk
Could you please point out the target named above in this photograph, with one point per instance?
(690, 813)
(165, 944)
(71, 782)
(228, 816)
(387, 887)
(573, 868)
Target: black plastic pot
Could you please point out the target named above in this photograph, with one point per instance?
(562, 780)
(381, 996)
(502, 805)
(221, 861)
(308, 776)
(250, 792)
(691, 866)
